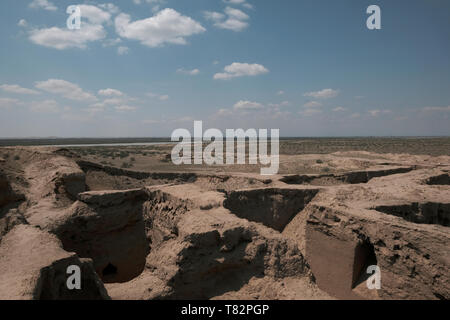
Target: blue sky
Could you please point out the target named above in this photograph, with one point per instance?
(145, 68)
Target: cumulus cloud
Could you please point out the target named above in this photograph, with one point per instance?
(111, 42)
(125, 108)
(322, 94)
(310, 112)
(22, 23)
(339, 109)
(239, 2)
(377, 112)
(14, 88)
(111, 8)
(94, 14)
(61, 39)
(92, 29)
(247, 105)
(162, 97)
(233, 19)
(43, 4)
(122, 50)
(312, 104)
(237, 69)
(46, 106)
(8, 102)
(167, 26)
(279, 105)
(65, 89)
(110, 93)
(110, 101)
(192, 72)
(444, 109)
(149, 1)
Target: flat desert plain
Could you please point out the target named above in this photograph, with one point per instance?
(139, 227)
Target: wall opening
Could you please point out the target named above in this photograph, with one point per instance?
(109, 270)
(363, 258)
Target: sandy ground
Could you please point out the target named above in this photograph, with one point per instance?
(144, 228)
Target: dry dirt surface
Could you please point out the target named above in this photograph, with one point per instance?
(150, 230)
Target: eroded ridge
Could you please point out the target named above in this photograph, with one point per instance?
(163, 235)
(273, 207)
(428, 212)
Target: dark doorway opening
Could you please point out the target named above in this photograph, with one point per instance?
(364, 257)
(109, 270)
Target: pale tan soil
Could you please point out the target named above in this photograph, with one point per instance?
(159, 231)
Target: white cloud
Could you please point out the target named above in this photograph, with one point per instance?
(111, 42)
(280, 93)
(94, 14)
(281, 104)
(14, 88)
(233, 19)
(61, 39)
(214, 16)
(149, 1)
(112, 101)
(247, 105)
(96, 107)
(339, 109)
(43, 4)
(375, 113)
(224, 112)
(312, 104)
(151, 121)
(444, 109)
(310, 112)
(183, 119)
(91, 29)
(110, 92)
(167, 26)
(125, 108)
(65, 89)
(192, 72)
(22, 23)
(156, 3)
(111, 8)
(47, 106)
(322, 94)
(239, 2)
(122, 50)
(158, 96)
(8, 102)
(234, 1)
(237, 69)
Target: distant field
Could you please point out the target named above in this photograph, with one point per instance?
(434, 146)
(76, 141)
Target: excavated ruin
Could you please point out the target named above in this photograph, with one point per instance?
(169, 235)
(428, 212)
